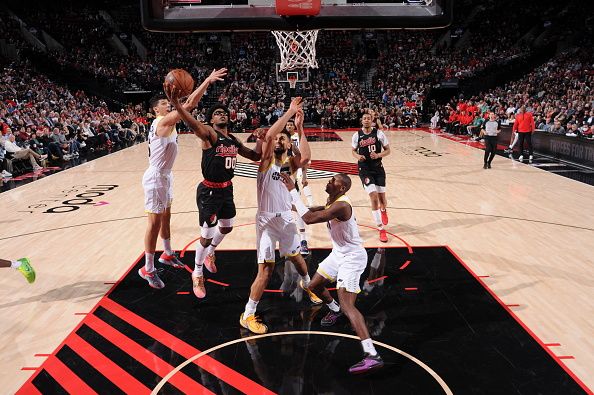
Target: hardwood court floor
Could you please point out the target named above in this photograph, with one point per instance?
(530, 231)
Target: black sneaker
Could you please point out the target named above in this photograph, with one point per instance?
(485, 166)
(488, 165)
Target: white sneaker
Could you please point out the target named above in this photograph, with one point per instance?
(6, 174)
(530, 159)
(67, 156)
(521, 159)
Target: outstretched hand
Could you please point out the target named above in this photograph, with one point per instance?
(217, 75)
(296, 104)
(172, 93)
(288, 181)
(259, 133)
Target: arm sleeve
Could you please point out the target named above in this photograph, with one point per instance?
(355, 141)
(382, 138)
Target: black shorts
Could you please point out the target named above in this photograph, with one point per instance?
(214, 204)
(375, 176)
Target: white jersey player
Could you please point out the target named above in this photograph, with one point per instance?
(274, 220)
(345, 264)
(157, 180)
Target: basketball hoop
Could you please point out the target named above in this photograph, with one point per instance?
(298, 49)
(292, 78)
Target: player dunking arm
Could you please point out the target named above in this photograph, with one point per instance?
(23, 265)
(345, 264)
(274, 219)
(369, 146)
(157, 180)
(214, 195)
(300, 177)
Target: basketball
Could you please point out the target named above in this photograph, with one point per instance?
(182, 80)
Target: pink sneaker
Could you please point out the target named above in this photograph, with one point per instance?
(198, 286)
(209, 263)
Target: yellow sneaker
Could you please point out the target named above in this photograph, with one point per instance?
(27, 270)
(253, 324)
(312, 296)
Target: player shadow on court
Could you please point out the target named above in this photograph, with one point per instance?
(86, 290)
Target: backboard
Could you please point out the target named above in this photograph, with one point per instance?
(261, 15)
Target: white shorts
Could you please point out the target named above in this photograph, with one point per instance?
(374, 188)
(345, 269)
(272, 228)
(158, 190)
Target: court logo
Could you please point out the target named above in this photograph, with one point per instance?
(77, 196)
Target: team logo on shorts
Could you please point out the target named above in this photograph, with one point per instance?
(213, 218)
(366, 180)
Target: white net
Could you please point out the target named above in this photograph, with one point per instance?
(298, 49)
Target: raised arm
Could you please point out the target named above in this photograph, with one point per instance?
(204, 132)
(278, 126)
(301, 159)
(192, 101)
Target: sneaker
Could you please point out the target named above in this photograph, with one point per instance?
(153, 278)
(27, 270)
(485, 166)
(384, 214)
(209, 263)
(171, 260)
(6, 174)
(312, 296)
(367, 364)
(530, 158)
(488, 165)
(507, 151)
(198, 286)
(383, 236)
(304, 248)
(521, 158)
(253, 324)
(331, 318)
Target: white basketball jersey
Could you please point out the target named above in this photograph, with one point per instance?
(273, 196)
(162, 150)
(345, 234)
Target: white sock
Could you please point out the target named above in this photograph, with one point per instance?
(308, 195)
(368, 347)
(149, 261)
(250, 308)
(333, 306)
(199, 260)
(167, 246)
(305, 280)
(377, 216)
(15, 264)
(216, 240)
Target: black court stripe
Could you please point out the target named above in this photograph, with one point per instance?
(86, 372)
(123, 360)
(145, 340)
(46, 384)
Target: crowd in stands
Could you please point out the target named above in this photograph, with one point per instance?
(46, 118)
(42, 121)
(558, 93)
